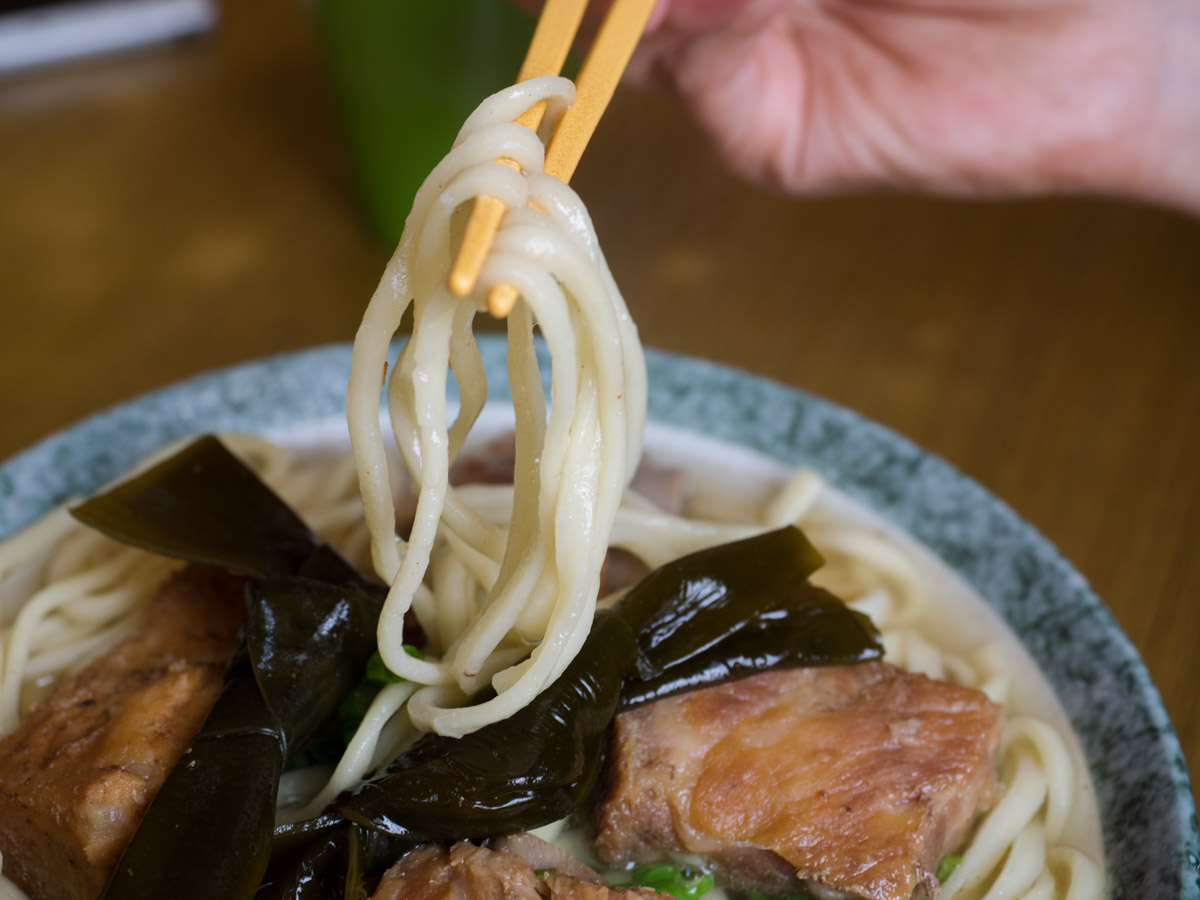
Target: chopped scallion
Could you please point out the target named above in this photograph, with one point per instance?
(681, 882)
(946, 869)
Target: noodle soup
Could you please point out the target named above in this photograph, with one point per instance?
(1045, 829)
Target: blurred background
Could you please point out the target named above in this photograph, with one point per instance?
(191, 205)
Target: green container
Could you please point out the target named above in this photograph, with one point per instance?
(404, 76)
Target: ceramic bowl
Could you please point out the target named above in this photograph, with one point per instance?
(1146, 806)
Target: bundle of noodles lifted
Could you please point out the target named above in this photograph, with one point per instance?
(269, 721)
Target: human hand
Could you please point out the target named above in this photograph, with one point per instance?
(955, 96)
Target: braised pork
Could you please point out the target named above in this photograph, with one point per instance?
(851, 779)
(79, 772)
(464, 871)
(664, 486)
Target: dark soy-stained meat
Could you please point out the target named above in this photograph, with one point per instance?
(459, 872)
(543, 855)
(464, 871)
(665, 487)
(493, 463)
(79, 772)
(860, 778)
(621, 570)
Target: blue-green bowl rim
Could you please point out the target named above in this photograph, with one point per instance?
(1146, 804)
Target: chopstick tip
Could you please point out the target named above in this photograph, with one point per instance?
(501, 299)
(461, 281)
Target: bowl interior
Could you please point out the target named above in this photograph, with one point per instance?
(1146, 805)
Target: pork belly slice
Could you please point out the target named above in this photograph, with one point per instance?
(856, 779)
(77, 775)
(520, 868)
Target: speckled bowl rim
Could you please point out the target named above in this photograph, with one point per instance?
(1146, 803)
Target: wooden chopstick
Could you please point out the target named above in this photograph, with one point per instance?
(606, 60)
(548, 49)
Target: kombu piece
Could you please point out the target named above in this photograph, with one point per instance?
(310, 628)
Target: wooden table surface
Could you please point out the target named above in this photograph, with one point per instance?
(188, 208)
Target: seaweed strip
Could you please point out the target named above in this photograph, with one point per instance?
(309, 632)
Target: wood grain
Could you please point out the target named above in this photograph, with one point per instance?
(188, 208)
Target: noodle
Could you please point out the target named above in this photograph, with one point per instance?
(518, 608)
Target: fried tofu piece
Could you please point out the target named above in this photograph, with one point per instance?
(464, 871)
(78, 774)
(857, 779)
